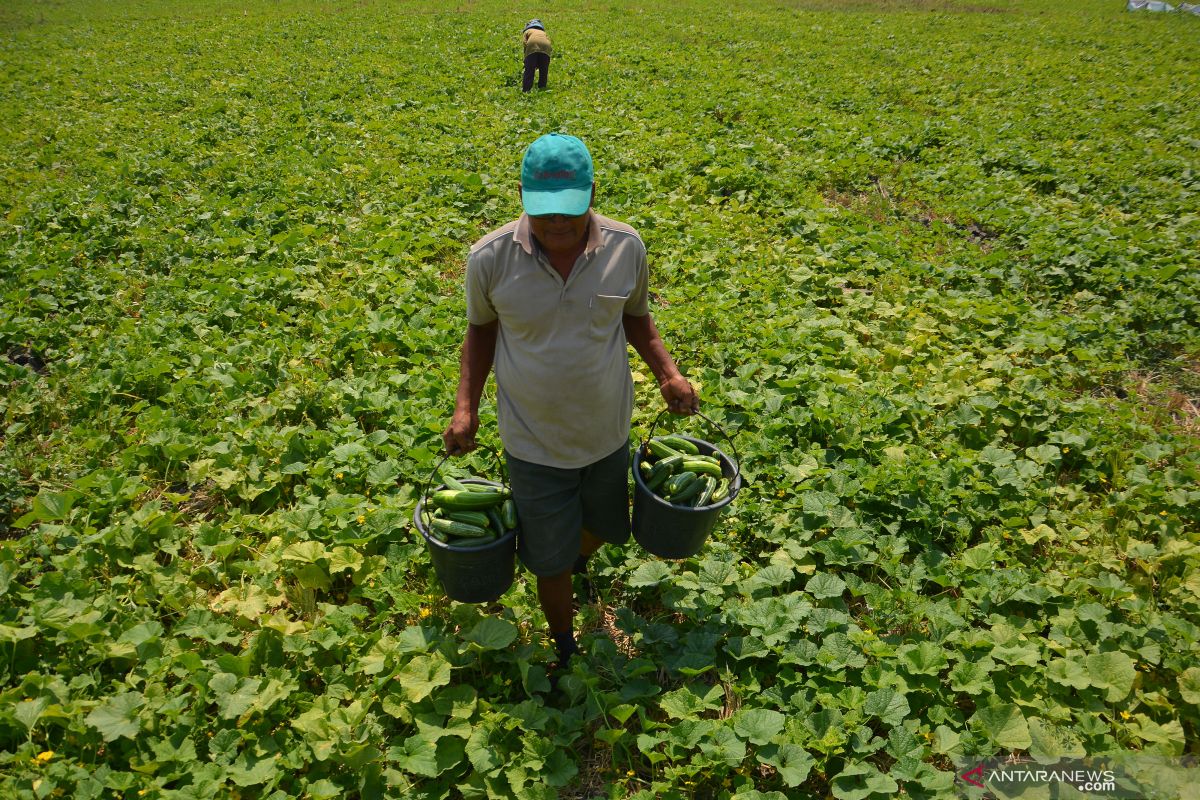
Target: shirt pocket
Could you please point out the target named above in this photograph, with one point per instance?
(605, 313)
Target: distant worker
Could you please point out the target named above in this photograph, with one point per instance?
(537, 54)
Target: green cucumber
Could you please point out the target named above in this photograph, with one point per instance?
(658, 480)
(453, 483)
(476, 518)
(478, 541)
(467, 500)
(679, 443)
(670, 463)
(710, 485)
(691, 490)
(508, 514)
(702, 467)
(661, 449)
(662, 470)
(678, 483)
(720, 492)
(453, 529)
(493, 515)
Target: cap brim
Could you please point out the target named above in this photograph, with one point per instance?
(571, 202)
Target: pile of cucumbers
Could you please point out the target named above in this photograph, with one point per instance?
(674, 469)
(467, 514)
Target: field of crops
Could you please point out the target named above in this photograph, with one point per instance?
(934, 264)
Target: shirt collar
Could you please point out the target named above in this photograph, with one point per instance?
(523, 234)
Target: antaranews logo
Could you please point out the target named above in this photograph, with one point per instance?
(1119, 777)
(978, 776)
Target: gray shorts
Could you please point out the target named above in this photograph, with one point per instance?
(555, 505)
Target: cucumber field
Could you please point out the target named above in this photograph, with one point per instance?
(933, 265)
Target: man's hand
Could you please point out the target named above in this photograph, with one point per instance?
(459, 438)
(680, 396)
(643, 335)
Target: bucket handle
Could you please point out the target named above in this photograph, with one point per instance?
(737, 463)
(426, 514)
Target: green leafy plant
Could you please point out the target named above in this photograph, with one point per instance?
(945, 308)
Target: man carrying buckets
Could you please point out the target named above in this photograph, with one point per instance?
(553, 298)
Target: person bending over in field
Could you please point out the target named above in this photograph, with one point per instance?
(537, 54)
(553, 299)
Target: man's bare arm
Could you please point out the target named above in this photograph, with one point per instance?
(642, 333)
(478, 353)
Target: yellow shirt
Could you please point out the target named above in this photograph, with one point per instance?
(536, 41)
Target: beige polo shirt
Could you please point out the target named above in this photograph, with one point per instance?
(564, 390)
(536, 41)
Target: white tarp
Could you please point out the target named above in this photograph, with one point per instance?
(1158, 5)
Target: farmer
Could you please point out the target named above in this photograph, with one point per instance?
(552, 300)
(537, 54)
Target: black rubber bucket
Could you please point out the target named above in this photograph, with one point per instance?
(670, 531)
(470, 574)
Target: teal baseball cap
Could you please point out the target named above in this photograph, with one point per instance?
(556, 176)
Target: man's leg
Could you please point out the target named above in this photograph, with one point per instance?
(605, 498)
(543, 69)
(559, 509)
(527, 78)
(557, 597)
(590, 544)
